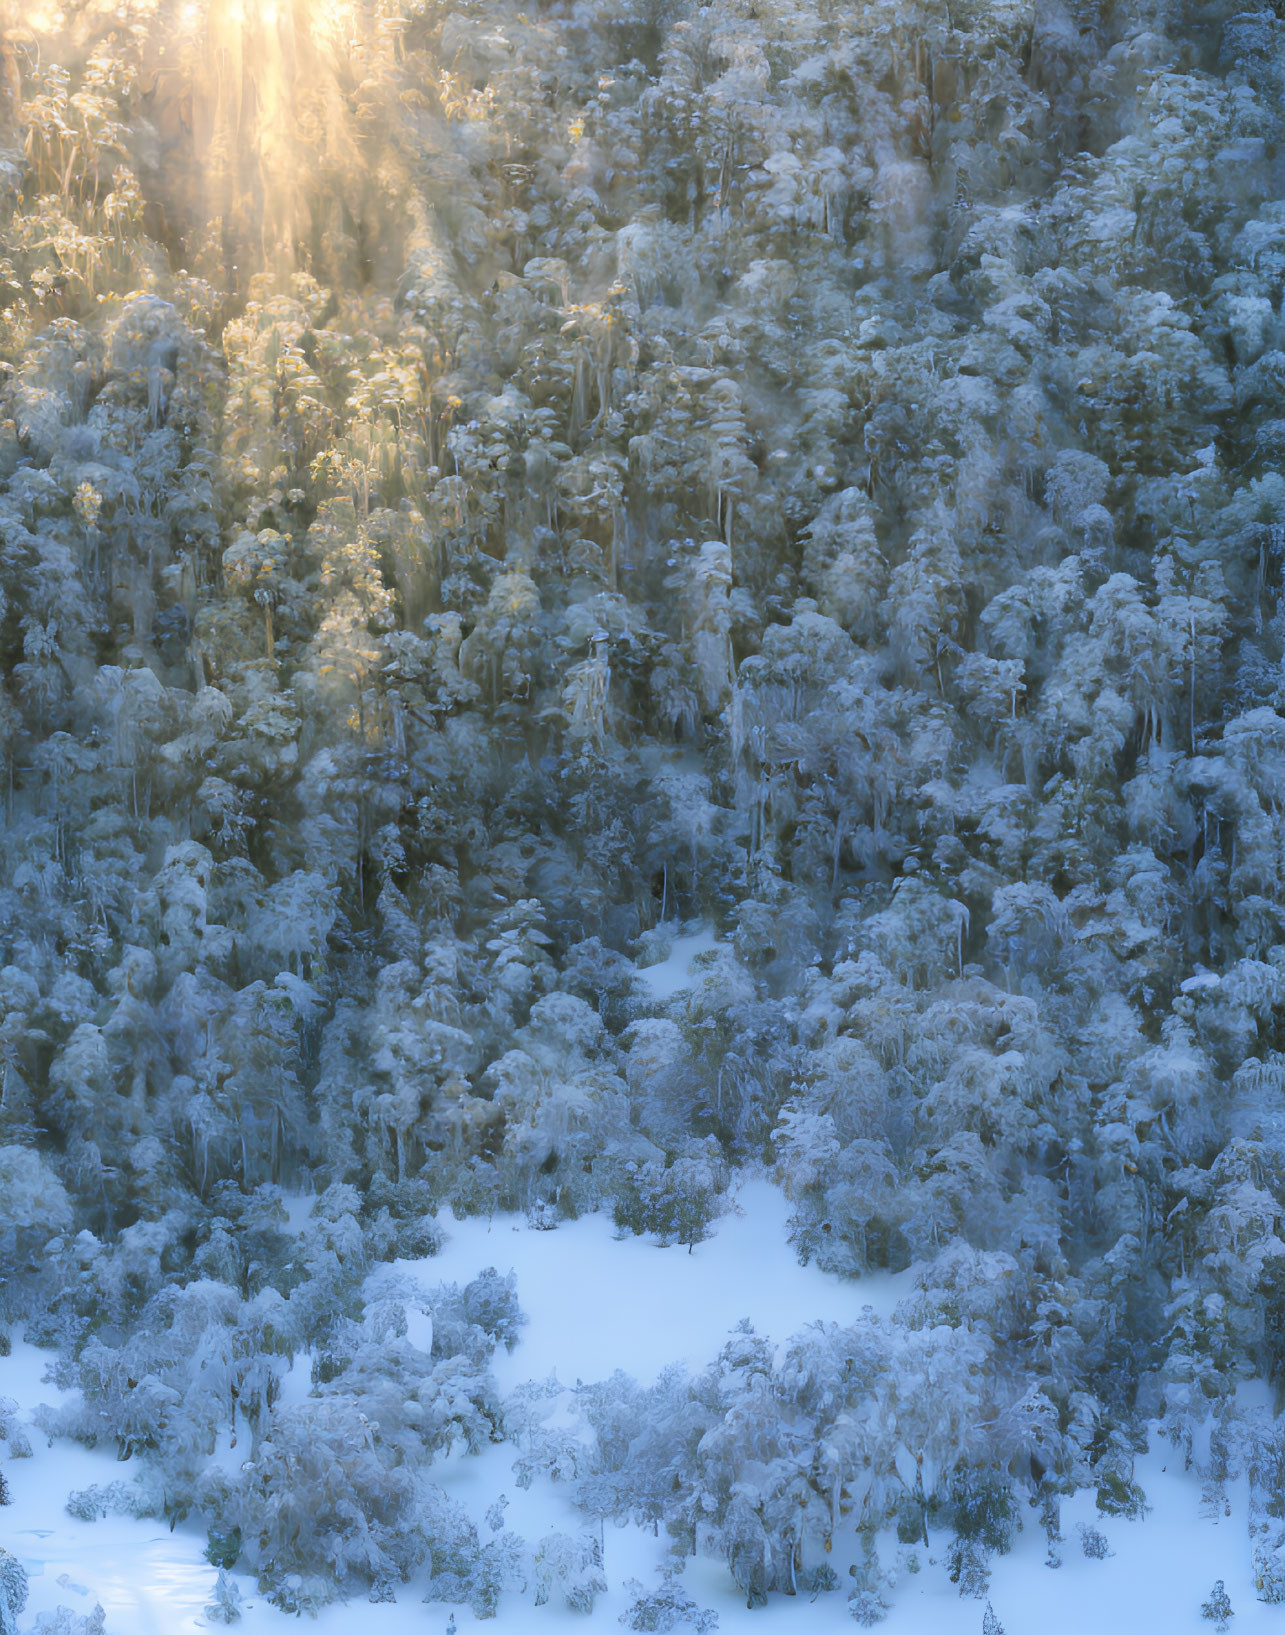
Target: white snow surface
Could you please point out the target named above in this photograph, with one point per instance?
(596, 1304)
(674, 972)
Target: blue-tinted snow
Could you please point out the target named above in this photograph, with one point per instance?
(596, 1302)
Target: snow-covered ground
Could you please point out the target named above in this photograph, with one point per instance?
(150, 1582)
(596, 1304)
(673, 972)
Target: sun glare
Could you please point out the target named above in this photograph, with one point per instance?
(254, 101)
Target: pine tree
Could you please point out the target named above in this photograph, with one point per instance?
(990, 1623)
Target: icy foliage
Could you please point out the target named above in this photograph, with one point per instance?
(13, 1592)
(599, 599)
(668, 1607)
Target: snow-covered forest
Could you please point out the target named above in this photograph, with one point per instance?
(602, 605)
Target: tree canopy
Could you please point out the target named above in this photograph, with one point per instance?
(483, 492)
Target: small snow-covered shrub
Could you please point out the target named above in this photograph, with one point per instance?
(298, 1593)
(666, 1608)
(85, 1504)
(114, 1499)
(13, 1591)
(491, 1303)
(226, 1605)
(675, 1201)
(1218, 1608)
(1119, 1495)
(1093, 1543)
(568, 1569)
(867, 1607)
(461, 1568)
(969, 1566)
(472, 1321)
(66, 1622)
